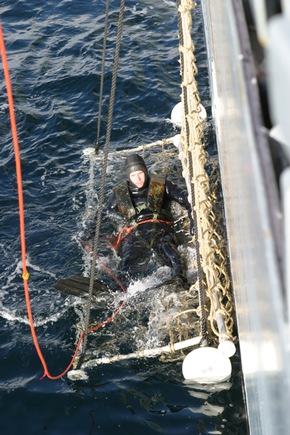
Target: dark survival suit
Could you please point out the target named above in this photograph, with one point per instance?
(148, 219)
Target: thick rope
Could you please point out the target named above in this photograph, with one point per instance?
(25, 274)
(103, 173)
(125, 231)
(102, 75)
(217, 283)
(201, 292)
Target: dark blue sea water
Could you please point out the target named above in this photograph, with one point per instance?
(54, 51)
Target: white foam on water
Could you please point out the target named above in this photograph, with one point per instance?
(13, 317)
(43, 301)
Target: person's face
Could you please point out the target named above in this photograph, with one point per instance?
(138, 178)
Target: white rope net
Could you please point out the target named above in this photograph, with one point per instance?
(212, 254)
(183, 328)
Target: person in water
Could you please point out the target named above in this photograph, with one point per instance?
(144, 203)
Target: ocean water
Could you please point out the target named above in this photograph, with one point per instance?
(54, 51)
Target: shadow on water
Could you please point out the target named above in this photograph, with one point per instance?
(151, 397)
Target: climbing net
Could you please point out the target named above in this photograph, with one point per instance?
(215, 308)
(213, 257)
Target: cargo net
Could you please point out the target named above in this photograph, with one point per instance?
(204, 313)
(213, 275)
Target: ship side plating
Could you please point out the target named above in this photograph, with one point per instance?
(246, 112)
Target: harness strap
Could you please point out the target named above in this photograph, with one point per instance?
(125, 231)
(153, 202)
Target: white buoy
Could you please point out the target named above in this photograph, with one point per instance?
(177, 113)
(227, 348)
(177, 141)
(206, 365)
(77, 375)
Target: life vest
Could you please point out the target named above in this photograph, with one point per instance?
(153, 203)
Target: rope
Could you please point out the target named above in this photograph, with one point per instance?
(102, 76)
(25, 273)
(104, 171)
(212, 254)
(16, 150)
(125, 231)
(201, 293)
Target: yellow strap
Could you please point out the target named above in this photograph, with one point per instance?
(26, 276)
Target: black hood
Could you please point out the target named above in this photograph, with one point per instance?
(134, 163)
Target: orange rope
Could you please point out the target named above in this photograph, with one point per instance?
(110, 273)
(127, 230)
(25, 274)
(16, 147)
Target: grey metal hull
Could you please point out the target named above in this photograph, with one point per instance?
(253, 218)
